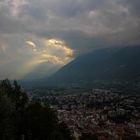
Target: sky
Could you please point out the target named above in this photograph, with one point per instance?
(37, 37)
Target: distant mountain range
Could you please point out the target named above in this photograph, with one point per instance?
(102, 66)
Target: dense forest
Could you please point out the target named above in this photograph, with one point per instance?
(21, 119)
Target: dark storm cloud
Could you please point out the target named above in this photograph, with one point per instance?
(49, 17)
(82, 25)
(82, 42)
(98, 18)
(73, 8)
(8, 23)
(39, 13)
(133, 6)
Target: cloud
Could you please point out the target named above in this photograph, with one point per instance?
(59, 45)
(3, 48)
(53, 59)
(72, 27)
(32, 44)
(44, 55)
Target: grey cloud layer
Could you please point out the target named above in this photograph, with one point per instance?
(82, 24)
(56, 17)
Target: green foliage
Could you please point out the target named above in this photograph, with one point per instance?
(12, 104)
(88, 136)
(6, 121)
(64, 131)
(20, 119)
(40, 122)
(18, 97)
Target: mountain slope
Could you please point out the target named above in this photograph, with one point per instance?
(113, 64)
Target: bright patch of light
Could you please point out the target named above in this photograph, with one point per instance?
(47, 51)
(58, 44)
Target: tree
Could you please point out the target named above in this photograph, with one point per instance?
(13, 102)
(64, 132)
(39, 122)
(20, 119)
(7, 129)
(88, 136)
(15, 93)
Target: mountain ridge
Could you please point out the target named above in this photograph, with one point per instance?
(108, 64)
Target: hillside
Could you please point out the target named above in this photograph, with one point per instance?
(102, 65)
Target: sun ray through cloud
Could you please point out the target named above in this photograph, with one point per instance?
(52, 51)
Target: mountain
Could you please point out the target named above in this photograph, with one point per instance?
(108, 65)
